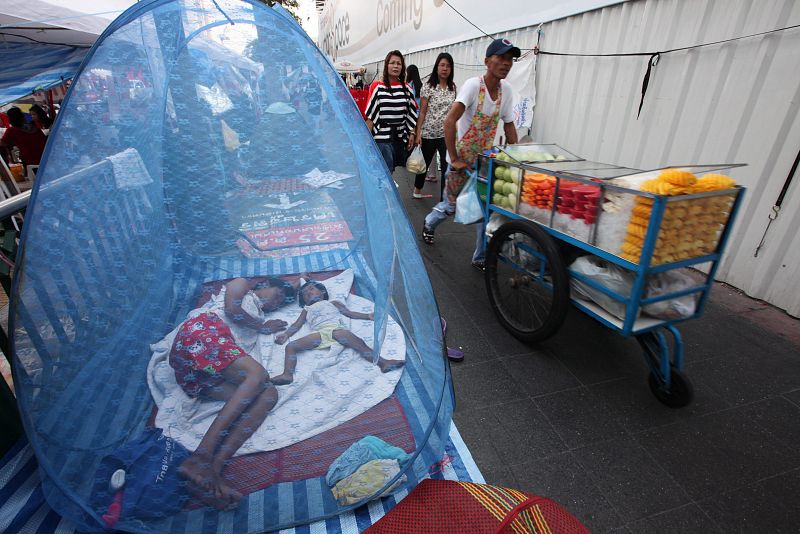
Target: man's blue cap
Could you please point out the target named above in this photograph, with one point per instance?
(500, 47)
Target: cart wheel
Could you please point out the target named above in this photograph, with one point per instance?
(527, 281)
(680, 392)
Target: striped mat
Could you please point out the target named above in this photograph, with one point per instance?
(23, 509)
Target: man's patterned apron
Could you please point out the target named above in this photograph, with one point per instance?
(477, 139)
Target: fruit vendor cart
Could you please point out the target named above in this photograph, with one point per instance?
(613, 241)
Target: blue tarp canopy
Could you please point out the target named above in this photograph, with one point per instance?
(42, 43)
(29, 68)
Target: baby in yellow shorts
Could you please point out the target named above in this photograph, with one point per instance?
(324, 317)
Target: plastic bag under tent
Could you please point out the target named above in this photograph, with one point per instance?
(186, 187)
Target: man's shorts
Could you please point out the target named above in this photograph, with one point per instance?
(203, 347)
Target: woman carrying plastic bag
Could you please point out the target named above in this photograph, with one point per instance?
(415, 164)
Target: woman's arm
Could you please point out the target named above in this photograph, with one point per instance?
(423, 111)
(235, 291)
(411, 122)
(373, 107)
(352, 314)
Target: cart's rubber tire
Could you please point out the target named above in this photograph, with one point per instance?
(520, 297)
(680, 391)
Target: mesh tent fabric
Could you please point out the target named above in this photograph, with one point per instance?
(202, 141)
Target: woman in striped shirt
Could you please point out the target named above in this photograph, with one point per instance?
(392, 112)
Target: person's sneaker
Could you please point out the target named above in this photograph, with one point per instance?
(427, 235)
(480, 265)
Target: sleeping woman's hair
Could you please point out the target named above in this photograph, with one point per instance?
(313, 283)
(287, 288)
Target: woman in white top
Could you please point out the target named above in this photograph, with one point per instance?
(437, 96)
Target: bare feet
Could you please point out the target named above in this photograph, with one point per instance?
(226, 503)
(390, 365)
(282, 379)
(226, 493)
(207, 485)
(197, 470)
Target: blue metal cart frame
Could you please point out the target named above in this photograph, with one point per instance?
(665, 360)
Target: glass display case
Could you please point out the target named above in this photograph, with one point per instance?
(610, 207)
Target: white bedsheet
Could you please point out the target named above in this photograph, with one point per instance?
(326, 392)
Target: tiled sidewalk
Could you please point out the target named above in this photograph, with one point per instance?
(574, 419)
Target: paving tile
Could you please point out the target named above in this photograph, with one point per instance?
(540, 373)
(579, 417)
(502, 341)
(593, 352)
(715, 332)
(749, 375)
(780, 417)
(635, 407)
(686, 519)
(766, 506)
(475, 427)
(516, 432)
(484, 384)
(563, 479)
(723, 450)
(793, 396)
(629, 478)
(524, 433)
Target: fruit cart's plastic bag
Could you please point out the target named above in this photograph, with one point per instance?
(468, 203)
(415, 164)
(496, 220)
(670, 282)
(607, 274)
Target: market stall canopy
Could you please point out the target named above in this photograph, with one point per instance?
(347, 67)
(43, 43)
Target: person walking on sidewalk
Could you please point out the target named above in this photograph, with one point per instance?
(469, 130)
(438, 95)
(392, 112)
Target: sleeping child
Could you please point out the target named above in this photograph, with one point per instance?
(324, 317)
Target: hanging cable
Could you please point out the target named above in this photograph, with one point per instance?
(465, 18)
(655, 56)
(44, 42)
(624, 54)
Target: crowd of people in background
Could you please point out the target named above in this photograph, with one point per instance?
(24, 138)
(458, 124)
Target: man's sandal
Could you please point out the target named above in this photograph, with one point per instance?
(427, 236)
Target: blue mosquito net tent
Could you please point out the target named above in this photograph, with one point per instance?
(208, 174)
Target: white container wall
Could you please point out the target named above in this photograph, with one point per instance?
(730, 102)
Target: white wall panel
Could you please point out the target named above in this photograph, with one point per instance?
(732, 102)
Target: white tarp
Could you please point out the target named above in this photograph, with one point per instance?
(522, 78)
(44, 21)
(43, 43)
(364, 31)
